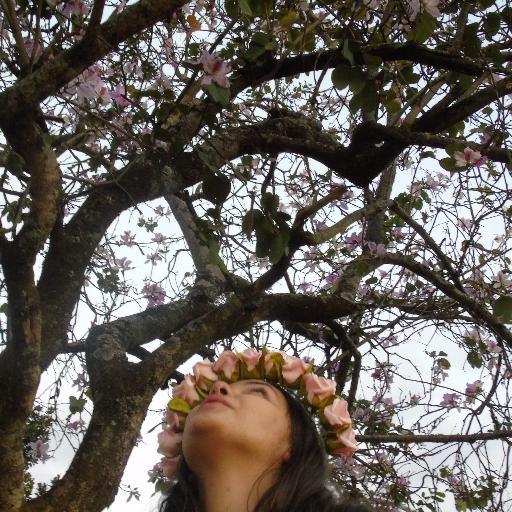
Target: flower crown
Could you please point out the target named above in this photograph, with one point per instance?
(276, 367)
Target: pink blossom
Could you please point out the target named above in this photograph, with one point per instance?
(250, 357)
(402, 482)
(119, 95)
(472, 389)
(153, 258)
(186, 390)
(75, 7)
(204, 374)
(337, 414)
(318, 388)
(215, 68)
(127, 238)
(468, 157)
(485, 138)
(331, 279)
(121, 6)
(75, 425)
(154, 293)
(293, 368)
(170, 53)
(432, 7)
(168, 442)
(415, 6)
(33, 48)
(38, 450)
(354, 240)
(450, 400)
(500, 280)
(123, 263)
(377, 249)
(158, 238)
(347, 438)
(89, 85)
(465, 223)
(228, 363)
(155, 472)
(493, 347)
(304, 287)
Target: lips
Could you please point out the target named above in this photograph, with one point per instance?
(217, 399)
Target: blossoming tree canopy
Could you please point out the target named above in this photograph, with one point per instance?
(330, 179)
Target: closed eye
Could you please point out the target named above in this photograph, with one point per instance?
(263, 391)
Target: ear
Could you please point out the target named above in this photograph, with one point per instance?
(286, 456)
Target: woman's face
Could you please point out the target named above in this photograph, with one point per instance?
(252, 423)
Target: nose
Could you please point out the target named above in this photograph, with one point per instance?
(220, 387)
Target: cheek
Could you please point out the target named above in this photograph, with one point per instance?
(269, 425)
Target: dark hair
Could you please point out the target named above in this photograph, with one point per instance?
(301, 486)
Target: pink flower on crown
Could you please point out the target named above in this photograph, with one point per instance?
(269, 363)
(318, 388)
(172, 418)
(169, 466)
(293, 368)
(337, 414)
(250, 357)
(186, 390)
(175, 419)
(347, 438)
(204, 374)
(168, 442)
(227, 362)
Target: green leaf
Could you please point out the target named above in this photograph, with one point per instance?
(423, 27)
(299, 39)
(220, 95)
(216, 188)
(179, 405)
(262, 8)
(263, 242)
(76, 404)
(346, 76)
(248, 224)
(277, 248)
(471, 42)
(245, 7)
(502, 309)
(365, 100)
(448, 164)
(475, 359)
(232, 8)
(506, 14)
(491, 24)
(289, 18)
(409, 75)
(347, 52)
(270, 203)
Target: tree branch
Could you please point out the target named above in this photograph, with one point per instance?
(433, 438)
(66, 66)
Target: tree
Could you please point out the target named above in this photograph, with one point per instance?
(338, 175)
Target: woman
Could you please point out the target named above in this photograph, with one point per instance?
(252, 447)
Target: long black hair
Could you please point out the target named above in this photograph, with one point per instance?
(302, 482)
